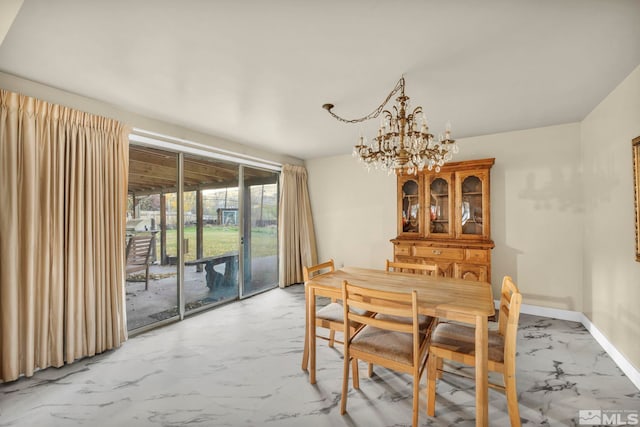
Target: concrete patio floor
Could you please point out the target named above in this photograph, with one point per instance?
(159, 302)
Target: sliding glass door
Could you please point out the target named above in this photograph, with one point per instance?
(260, 230)
(206, 230)
(211, 232)
(152, 272)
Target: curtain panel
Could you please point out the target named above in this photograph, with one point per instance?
(63, 197)
(296, 236)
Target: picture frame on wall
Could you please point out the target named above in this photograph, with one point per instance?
(635, 143)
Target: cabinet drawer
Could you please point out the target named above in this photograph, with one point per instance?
(476, 255)
(444, 253)
(402, 250)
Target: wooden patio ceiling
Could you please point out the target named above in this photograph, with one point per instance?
(152, 170)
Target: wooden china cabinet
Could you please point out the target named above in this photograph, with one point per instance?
(443, 218)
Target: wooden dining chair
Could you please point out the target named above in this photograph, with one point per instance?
(406, 267)
(456, 342)
(391, 341)
(415, 268)
(330, 317)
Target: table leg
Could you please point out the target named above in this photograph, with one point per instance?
(312, 336)
(482, 372)
(231, 271)
(210, 275)
(305, 351)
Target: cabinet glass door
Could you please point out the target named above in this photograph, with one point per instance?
(410, 207)
(471, 208)
(440, 206)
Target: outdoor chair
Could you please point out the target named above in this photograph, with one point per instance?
(138, 251)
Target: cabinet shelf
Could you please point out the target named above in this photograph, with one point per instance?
(472, 193)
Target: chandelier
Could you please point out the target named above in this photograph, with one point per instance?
(402, 145)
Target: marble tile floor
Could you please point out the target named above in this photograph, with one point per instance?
(239, 365)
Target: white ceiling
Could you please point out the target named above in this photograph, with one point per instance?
(258, 72)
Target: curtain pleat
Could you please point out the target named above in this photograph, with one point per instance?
(296, 234)
(63, 187)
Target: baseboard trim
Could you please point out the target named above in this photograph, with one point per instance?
(556, 313)
(575, 316)
(622, 362)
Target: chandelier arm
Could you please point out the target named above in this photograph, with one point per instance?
(399, 87)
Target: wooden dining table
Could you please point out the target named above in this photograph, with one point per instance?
(443, 297)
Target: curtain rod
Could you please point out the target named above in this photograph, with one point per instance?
(178, 144)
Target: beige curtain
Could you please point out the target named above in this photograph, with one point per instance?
(63, 187)
(296, 235)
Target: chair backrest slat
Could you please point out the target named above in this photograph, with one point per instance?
(508, 289)
(139, 249)
(399, 304)
(414, 268)
(308, 272)
(390, 325)
(509, 316)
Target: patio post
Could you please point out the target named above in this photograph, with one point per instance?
(163, 228)
(199, 226)
(246, 247)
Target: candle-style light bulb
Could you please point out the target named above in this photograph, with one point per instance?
(447, 132)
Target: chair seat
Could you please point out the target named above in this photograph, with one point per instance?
(462, 339)
(134, 268)
(334, 312)
(396, 346)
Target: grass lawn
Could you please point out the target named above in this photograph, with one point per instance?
(220, 239)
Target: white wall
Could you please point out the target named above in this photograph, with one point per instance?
(611, 273)
(354, 211)
(8, 11)
(536, 211)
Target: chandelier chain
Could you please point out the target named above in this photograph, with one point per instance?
(398, 87)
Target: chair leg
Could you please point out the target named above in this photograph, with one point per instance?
(439, 367)
(416, 395)
(432, 373)
(146, 278)
(305, 351)
(345, 385)
(332, 336)
(370, 372)
(512, 400)
(356, 374)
